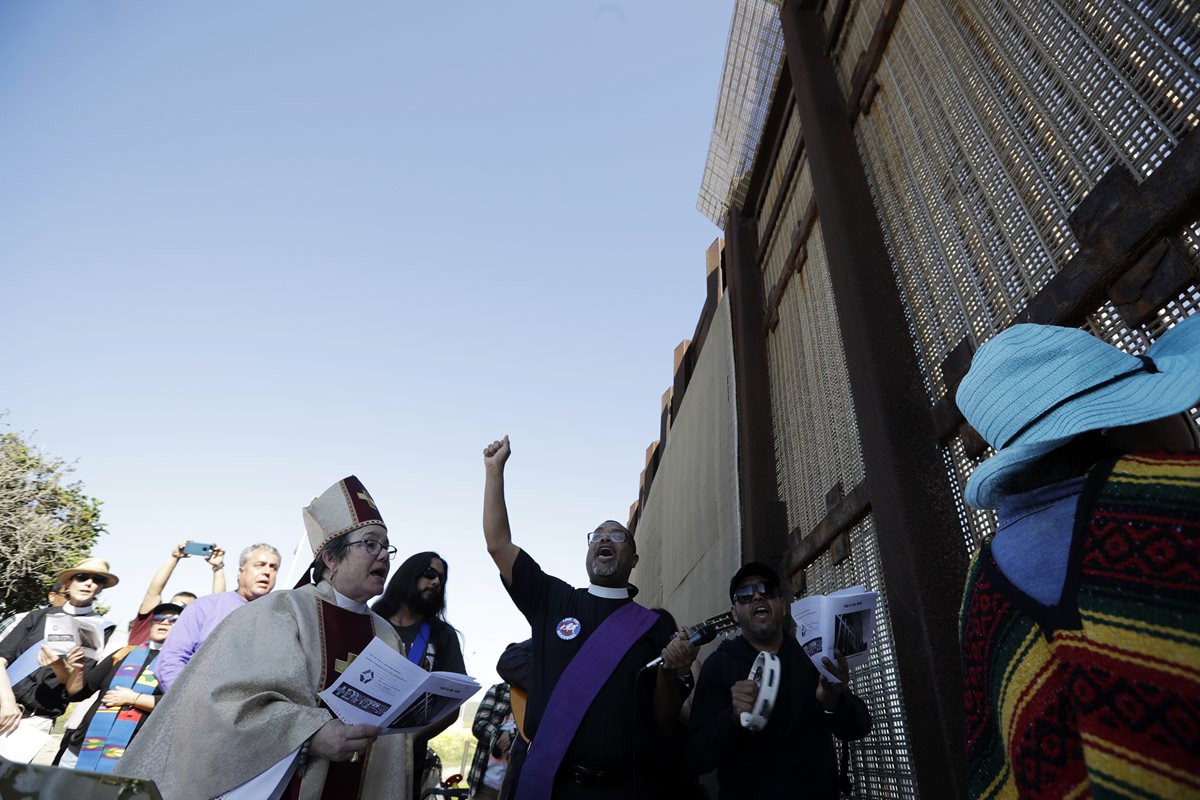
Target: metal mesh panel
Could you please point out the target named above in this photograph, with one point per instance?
(1106, 323)
(879, 763)
(856, 34)
(816, 432)
(993, 121)
(977, 524)
(799, 195)
(778, 181)
(987, 134)
(816, 446)
(651, 536)
(752, 61)
(687, 533)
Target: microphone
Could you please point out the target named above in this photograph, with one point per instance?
(705, 632)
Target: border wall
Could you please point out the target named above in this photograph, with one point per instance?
(897, 182)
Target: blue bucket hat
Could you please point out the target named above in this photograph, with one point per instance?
(1033, 388)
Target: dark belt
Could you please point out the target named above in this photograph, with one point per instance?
(595, 778)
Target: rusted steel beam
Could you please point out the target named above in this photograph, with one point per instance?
(715, 287)
(1115, 225)
(912, 503)
(839, 548)
(763, 535)
(653, 458)
(1160, 275)
(777, 207)
(684, 367)
(946, 417)
(835, 24)
(844, 514)
(1126, 255)
(868, 60)
(797, 256)
(868, 96)
(768, 147)
(685, 363)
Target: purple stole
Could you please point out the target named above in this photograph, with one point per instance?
(577, 687)
(344, 634)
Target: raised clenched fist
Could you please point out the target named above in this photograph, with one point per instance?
(496, 453)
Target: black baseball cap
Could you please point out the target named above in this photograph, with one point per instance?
(753, 568)
(166, 608)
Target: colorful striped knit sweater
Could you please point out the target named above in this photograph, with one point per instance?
(1098, 696)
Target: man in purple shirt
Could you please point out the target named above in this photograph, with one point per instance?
(257, 569)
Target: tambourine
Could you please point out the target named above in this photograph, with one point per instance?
(765, 674)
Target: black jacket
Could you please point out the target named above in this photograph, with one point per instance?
(794, 755)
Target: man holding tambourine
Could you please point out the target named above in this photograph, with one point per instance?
(762, 714)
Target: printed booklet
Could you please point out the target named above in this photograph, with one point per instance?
(844, 619)
(385, 689)
(64, 631)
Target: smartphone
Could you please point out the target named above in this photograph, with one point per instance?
(198, 549)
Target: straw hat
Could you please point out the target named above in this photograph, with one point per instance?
(346, 506)
(1033, 388)
(92, 566)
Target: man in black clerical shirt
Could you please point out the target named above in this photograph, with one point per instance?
(600, 736)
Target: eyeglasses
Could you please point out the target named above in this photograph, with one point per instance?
(167, 618)
(84, 577)
(744, 595)
(606, 536)
(430, 573)
(373, 547)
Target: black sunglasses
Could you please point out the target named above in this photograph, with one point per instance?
(430, 573)
(83, 577)
(744, 595)
(166, 618)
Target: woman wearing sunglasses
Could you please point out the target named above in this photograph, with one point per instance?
(127, 685)
(36, 696)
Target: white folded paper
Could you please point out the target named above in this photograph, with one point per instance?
(64, 631)
(844, 620)
(24, 743)
(383, 688)
(268, 785)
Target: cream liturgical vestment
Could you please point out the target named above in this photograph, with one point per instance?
(249, 698)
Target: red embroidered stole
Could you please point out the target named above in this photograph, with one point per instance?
(344, 634)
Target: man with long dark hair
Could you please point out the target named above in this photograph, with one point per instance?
(415, 603)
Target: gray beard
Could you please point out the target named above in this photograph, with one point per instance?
(603, 571)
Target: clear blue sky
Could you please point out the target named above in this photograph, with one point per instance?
(251, 247)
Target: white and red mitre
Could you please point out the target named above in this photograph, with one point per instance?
(343, 507)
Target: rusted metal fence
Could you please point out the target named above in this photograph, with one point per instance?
(898, 181)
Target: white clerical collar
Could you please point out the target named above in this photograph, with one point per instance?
(77, 611)
(347, 603)
(154, 645)
(609, 593)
